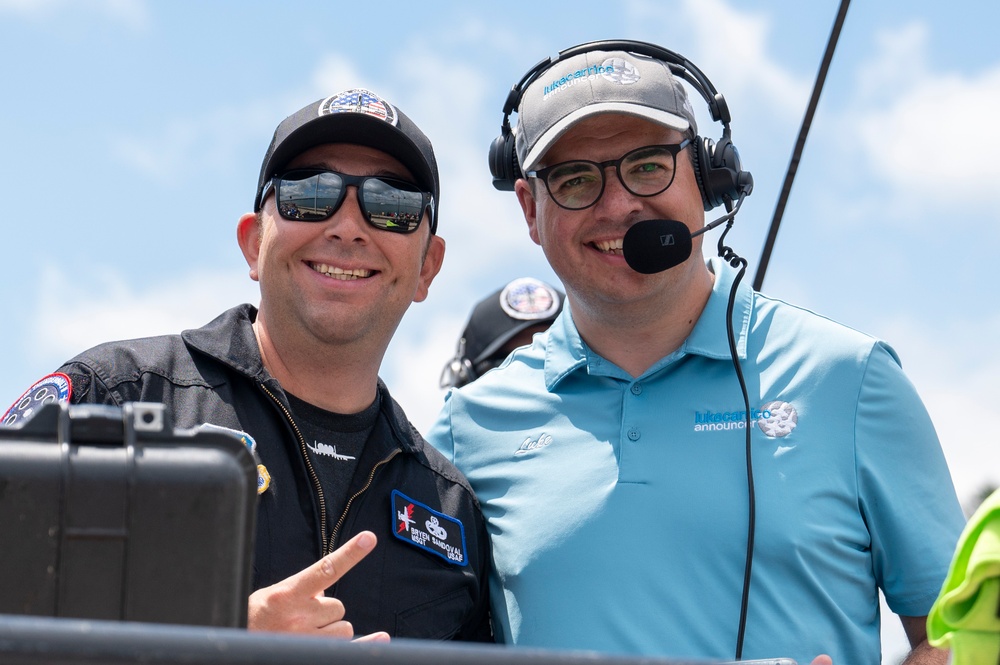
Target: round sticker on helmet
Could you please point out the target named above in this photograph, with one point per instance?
(529, 299)
(52, 388)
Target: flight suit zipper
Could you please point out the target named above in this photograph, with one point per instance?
(309, 467)
(332, 543)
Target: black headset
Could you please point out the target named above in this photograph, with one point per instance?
(717, 165)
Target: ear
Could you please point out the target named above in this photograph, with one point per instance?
(528, 207)
(248, 236)
(432, 265)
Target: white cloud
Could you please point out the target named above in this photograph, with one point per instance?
(132, 13)
(333, 74)
(927, 132)
(213, 139)
(746, 34)
(899, 62)
(754, 75)
(162, 158)
(204, 143)
(70, 316)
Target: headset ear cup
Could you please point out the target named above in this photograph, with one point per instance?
(701, 157)
(720, 174)
(503, 162)
(737, 181)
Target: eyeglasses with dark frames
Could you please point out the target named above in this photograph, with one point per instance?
(579, 184)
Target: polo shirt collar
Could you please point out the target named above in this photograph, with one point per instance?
(566, 352)
(709, 337)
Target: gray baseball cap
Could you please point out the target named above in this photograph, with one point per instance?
(592, 83)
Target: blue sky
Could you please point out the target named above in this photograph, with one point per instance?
(134, 132)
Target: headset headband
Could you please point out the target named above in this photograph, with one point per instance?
(717, 167)
(678, 64)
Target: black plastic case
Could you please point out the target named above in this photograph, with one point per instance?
(109, 513)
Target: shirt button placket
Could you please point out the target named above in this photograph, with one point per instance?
(631, 467)
(633, 432)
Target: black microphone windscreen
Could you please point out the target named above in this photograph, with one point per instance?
(653, 245)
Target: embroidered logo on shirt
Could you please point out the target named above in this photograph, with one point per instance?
(431, 531)
(531, 445)
(775, 419)
(405, 518)
(780, 421)
(327, 450)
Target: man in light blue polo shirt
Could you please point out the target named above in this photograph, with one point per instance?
(629, 510)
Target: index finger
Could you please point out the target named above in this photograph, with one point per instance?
(322, 574)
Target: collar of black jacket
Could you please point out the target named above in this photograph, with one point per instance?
(229, 339)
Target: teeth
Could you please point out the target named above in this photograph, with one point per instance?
(340, 273)
(609, 246)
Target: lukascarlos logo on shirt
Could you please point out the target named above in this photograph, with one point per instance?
(775, 419)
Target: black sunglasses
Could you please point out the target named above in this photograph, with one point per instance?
(579, 184)
(313, 195)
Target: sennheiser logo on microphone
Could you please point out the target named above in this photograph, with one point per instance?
(667, 240)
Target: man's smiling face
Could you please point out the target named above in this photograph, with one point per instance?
(584, 246)
(341, 279)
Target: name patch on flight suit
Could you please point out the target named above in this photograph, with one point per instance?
(434, 532)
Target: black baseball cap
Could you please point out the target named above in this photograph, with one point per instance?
(360, 117)
(495, 320)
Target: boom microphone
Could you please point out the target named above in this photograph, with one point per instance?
(654, 245)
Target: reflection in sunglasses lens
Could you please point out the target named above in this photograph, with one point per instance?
(308, 199)
(388, 204)
(392, 208)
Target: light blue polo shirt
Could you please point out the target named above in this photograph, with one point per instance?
(618, 508)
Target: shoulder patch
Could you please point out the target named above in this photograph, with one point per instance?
(423, 527)
(55, 387)
(263, 477)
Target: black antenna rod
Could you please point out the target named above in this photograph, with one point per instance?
(793, 166)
